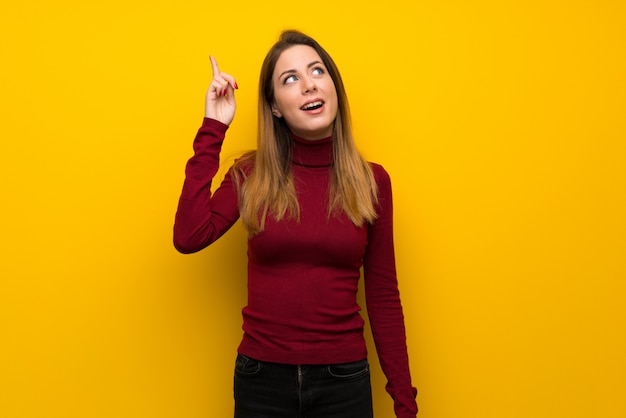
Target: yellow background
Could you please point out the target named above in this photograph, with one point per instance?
(501, 123)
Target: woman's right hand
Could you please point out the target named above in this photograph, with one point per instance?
(220, 98)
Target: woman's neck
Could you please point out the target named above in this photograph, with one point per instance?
(308, 153)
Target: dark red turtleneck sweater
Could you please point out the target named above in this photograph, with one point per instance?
(303, 276)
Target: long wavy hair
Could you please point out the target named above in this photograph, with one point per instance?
(264, 176)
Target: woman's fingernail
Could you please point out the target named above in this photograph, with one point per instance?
(236, 86)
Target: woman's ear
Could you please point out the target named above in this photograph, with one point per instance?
(275, 111)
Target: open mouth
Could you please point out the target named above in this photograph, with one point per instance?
(313, 105)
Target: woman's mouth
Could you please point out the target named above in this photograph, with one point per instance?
(313, 105)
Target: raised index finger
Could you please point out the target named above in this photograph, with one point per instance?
(216, 70)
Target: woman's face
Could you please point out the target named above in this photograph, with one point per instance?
(304, 93)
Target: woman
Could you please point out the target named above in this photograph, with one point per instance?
(316, 213)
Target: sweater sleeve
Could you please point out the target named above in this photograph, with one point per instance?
(383, 303)
(203, 217)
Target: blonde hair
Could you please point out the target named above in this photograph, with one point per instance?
(264, 176)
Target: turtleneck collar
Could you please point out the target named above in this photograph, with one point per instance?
(318, 153)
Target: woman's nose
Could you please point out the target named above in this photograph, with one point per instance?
(309, 85)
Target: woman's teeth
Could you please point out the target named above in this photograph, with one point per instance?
(312, 105)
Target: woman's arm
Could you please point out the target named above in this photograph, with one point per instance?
(383, 303)
(202, 218)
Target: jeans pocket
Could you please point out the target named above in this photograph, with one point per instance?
(352, 370)
(246, 366)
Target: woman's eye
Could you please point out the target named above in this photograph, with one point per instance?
(290, 79)
(318, 71)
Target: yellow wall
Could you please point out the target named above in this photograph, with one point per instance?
(503, 127)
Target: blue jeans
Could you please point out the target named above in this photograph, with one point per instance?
(271, 390)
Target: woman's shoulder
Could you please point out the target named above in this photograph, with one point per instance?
(382, 179)
(380, 174)
(245, 163)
